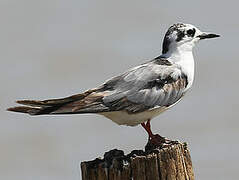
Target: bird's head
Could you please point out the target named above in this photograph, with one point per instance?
(183, 37)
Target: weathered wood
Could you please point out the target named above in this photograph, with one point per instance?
(172, 162)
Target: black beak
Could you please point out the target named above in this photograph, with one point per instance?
(207, 36)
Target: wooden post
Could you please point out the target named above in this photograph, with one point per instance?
(172, 162)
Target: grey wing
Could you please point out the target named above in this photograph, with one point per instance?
(145, 87)
(141, 88)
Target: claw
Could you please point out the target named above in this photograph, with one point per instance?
(155, 140)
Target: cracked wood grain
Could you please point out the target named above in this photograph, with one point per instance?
(172, 162)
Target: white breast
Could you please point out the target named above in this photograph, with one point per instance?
(186, 61)
(133, 119)
(187, 65)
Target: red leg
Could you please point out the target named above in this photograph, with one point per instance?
(153, 138)
(147, 127)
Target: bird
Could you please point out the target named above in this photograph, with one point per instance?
(139, 94)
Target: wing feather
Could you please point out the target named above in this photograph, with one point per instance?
(153, 84)
(147, 86)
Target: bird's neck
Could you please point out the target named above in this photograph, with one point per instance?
(184, 58)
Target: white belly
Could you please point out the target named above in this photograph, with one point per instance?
(124, 118)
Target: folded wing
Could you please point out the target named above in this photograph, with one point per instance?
(156, 83)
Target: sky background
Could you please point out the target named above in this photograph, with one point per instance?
(56, 48)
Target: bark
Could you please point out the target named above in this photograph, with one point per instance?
(172, 162)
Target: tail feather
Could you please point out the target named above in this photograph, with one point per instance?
(35, 110)
(32, 103)
(52, 102)
(25, 109)
(34, 107)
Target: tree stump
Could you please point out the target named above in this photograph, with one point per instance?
(172, 162)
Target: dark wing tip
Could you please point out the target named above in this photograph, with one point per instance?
(10, 109)
(21, 101)
(31, 103)
(24, 109)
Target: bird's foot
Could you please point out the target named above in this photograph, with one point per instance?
(157, 141)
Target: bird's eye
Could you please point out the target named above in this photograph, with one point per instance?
(191, 32)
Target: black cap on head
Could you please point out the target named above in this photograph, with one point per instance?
(173, 28)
